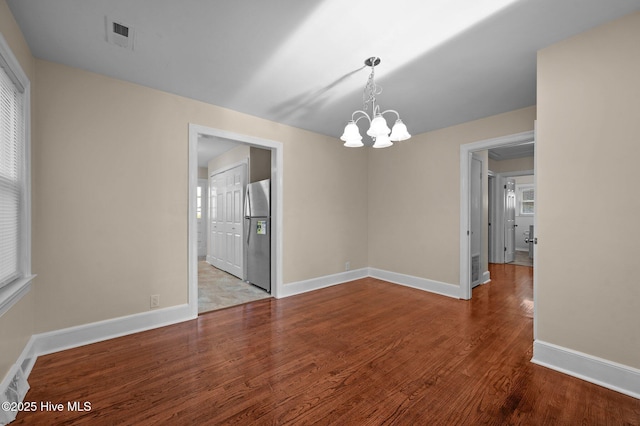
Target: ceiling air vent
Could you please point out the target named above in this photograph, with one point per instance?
(119, 33)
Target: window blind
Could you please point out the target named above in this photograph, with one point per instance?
(12, 179)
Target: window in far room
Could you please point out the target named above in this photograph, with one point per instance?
(526, 199)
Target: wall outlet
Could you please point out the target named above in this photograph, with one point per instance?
(347, 266)
(155, 301)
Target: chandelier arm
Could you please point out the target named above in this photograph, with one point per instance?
(364, 114)
(393, 111)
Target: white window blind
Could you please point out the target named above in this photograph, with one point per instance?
(12, 177)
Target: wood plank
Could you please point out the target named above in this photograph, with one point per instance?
(366, 352)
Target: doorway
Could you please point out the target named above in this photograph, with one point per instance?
(276, 162)
(513, 200)
(466, 155)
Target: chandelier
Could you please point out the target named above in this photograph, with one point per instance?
(378, 129)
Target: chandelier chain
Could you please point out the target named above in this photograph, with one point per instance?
(371, 89)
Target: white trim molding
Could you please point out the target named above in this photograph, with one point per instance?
(312, 284)
(15, 383)
(12, 293)
(418, 283)
(602, 372)
(432, 286)
(73, 337)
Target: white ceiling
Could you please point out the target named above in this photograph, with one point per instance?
(301, 62)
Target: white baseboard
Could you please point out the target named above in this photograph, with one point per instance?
(322, 282)
(425, 284)
(611, 375)
(486, 277)
(72, 337)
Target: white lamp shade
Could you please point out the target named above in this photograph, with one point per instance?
(351, 132)
(399, 132)
(351, 135)
(378, 127)
(382, 141)
(353, 143)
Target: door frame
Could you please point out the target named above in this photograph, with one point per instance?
(276, 206)
(481, 272)
(466, 151)
(497, 233)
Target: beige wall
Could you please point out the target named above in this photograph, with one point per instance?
(17, 324)
(112, 205)
(414, 197)
(259, 161)
(203, 173)
(259, 164)
(228, 158)
(588, 92)
(512, 165)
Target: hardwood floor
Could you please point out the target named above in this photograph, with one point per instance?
(364, 353)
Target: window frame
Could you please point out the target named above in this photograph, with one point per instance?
(521, 188)
(11, 293)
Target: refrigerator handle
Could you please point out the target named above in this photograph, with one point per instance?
(247, 202)
(248, 221)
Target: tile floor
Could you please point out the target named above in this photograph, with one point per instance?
(522, 259)
(218, 289)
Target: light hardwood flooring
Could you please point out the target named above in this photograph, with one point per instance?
(366, 352)
(218, 289)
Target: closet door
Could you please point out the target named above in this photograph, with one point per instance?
(510, 221)
(227, 231)
(234, 201)
(216, 212)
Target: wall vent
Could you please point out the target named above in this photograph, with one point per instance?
(119, 33)
(475, 269)
(13, 389)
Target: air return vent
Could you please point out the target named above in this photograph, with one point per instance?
(119, 33)
(475, 268)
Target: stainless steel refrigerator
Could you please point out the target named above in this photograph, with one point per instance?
(257, 215)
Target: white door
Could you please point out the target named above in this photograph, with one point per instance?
(491, 218)
(201, 216)
(226, 229)
(475, 231)
(509, 220)
(215, 206)
(234, 220)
